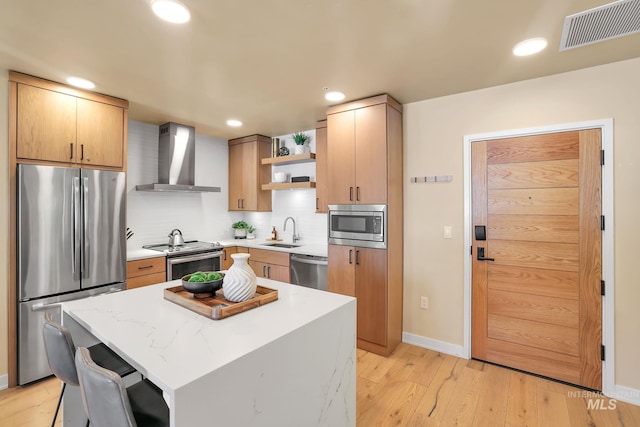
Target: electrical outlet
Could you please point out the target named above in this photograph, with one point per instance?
(424, 302)
(447, 232)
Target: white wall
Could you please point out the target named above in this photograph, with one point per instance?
(152, 215)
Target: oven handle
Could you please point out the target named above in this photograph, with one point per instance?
(197, 257)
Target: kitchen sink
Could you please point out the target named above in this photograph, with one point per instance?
(281, 245)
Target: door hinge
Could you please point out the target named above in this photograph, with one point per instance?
(601, 222)
(602, 353)
(602, 287)
(601, 157)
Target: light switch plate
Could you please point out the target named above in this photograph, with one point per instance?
(448, 232)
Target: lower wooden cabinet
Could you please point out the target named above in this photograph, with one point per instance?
(272, 265)
(227, 261)
(146, 271)
(364, 273)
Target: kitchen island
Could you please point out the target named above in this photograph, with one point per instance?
(287, 363)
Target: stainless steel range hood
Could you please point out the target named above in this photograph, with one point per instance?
(176, 161)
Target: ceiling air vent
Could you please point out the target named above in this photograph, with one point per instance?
(606, 22)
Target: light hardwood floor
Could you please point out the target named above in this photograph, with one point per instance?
(414, 387)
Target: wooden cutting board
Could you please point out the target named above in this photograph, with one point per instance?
(217, 307)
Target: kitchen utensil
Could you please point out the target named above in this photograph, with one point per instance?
(129, 233)
(175, 238)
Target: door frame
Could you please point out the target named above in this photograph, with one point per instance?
(608, 335)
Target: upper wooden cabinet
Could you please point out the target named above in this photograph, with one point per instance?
(363, 139)
(321, 167)
(247, 174)
(55, 123)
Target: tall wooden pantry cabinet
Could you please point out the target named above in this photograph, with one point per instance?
(364, 156)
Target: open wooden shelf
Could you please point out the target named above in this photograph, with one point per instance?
(289, 160)
(288, 185)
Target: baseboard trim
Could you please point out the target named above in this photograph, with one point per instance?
(625, 394)
(435, 345)
(4, 381)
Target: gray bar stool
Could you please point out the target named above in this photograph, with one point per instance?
(109, 403)
(61, 352)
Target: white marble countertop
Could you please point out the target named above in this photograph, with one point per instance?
(136, 254)
(156, 336)
(305, 249)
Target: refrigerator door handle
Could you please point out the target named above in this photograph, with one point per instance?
(85, 234)
(75, 240)
(45, 307)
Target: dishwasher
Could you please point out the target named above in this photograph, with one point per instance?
(309, 271)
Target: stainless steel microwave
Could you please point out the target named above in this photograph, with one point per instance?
(358, 225)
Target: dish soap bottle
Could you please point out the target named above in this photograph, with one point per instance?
(274, 233)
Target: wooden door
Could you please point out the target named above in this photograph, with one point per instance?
(536, 305)
(227, 261)
(321, 167)
(341, 273)
(341, 157)
(46, 125)
(371, 155)
(100, 130)
(235, 177)
(371, 293)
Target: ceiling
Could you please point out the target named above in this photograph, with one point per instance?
(266, 62)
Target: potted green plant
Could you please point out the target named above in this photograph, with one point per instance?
(300, 139)
(251, 232)
(240, 229)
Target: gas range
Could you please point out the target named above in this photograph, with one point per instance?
(189, 247)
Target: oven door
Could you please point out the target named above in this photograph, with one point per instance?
(358, 225)
(182, 265)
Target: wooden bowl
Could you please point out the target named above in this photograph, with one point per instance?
(202, 289)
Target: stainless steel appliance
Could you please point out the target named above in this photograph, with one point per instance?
(176, 161)
(191, 257)
(358, 225)
(71, 244)
(309, 271)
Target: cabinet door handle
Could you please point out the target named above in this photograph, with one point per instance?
(71, 150)
(224, 251)
(269, 272)
(264, 271)
(351, 194)
(81, 151)
(350, 254)
(357, 257)
(238, 203)
(357, 194)
(316, 203)
(145, 267)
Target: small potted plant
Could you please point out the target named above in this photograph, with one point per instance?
(300, 139)
(240, 229)
(251, 232)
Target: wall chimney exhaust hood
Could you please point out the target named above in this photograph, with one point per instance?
(176, 161)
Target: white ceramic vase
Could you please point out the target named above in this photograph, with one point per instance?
(239, 283)
(298, 149)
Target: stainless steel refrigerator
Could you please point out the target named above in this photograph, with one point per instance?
(71, 244)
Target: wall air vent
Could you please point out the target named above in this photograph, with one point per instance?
(612, 20)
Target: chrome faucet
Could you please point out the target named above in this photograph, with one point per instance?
(295, 237)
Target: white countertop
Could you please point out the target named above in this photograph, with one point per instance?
(305, 249)
(156, 335)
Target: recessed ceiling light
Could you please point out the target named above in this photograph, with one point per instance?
(81, 83)
(334, 95)
(171, 11)
(234, 123)
(530, 46)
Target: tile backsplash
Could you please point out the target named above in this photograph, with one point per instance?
(204, 216)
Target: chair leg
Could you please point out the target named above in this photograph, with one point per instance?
(53, 423)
